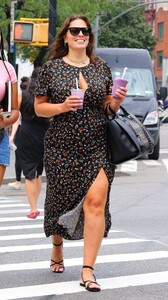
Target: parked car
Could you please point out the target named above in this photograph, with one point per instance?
(142, 97)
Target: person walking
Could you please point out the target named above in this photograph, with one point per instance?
(7, 73)
(79, 177)
(30, 146)
(13, 138)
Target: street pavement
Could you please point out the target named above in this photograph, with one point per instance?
(133, 261)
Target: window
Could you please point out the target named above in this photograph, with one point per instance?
(160, 31)
(159, 59)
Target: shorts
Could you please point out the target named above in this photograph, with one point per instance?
(5, 150)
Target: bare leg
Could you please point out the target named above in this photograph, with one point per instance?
(57, 253)
(2, 172)
(33, 188)
(94, 224)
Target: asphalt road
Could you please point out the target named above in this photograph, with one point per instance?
(133, 261)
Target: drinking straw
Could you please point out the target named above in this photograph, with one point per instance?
(77, 84)
(125, 69)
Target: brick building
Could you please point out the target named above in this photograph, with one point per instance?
(161, 49)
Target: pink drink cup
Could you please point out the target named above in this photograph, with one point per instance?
(79, 93)
(117, 84)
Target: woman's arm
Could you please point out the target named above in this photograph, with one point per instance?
(45, 109)
(6, 122)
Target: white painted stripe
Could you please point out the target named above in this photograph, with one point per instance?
(2, 200)
(151, 162)
(78, 261)
(20, 227)
(163, 151)
(114, 231)
(129, 166)
(72, 287)
(14, 211)
(16, 219)
(22, 236)
(10, 249)
(14, 205)
(165, 161)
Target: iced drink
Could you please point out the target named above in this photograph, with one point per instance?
(117, 84)
(79, 93)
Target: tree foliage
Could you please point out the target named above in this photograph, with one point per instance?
(129, 30)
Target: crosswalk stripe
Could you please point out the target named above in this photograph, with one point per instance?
(78, 261)
(7, 200)
(20, 227)
(17, 219)
(163, 151)
(14, 205)
(14, 211)
(151, 162)
(22, 236)
(165, 161)
(10, 249)
(70, 287)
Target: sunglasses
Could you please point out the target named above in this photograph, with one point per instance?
(76, 30)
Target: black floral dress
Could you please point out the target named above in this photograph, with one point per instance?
(75, 146)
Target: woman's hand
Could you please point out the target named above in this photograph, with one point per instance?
(71, 103)
(121, 94)
(115, 102)
(2, 120)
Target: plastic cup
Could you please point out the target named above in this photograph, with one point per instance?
(117, 84)
(79, 93)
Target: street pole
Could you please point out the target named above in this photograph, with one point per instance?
(52, 20)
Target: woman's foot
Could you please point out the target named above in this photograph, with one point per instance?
(88, 280)
(57, 263)
(33, 214)
(15, 185)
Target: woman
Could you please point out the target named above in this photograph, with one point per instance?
(7, 73)
(79, 176)
(30, 146)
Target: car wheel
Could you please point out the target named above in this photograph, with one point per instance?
(155, 154)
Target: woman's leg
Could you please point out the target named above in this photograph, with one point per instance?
(18, 169)
(2, 172)
(57, 254)
(16, 184)
(33, 188)
(94, 222)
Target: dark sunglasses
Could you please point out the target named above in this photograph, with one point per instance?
(75, 30)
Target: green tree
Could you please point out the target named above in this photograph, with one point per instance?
(129, 30)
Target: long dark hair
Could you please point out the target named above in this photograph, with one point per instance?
(3, 57)
(59, 48)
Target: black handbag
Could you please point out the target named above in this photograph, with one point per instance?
(127, 137)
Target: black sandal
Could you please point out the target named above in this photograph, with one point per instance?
(60, 263)
(87, 283)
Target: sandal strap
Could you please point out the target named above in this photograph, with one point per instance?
(89, 283)
(57, 245)
(56, 262)
(88, 267)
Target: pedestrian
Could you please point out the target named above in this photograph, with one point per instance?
(7, 73)
(30, 146)
(79, 176)
(13, 138)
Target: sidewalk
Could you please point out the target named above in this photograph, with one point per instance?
(10, 171)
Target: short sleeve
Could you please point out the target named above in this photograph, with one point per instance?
(43, 81)
(108, 79)
(11, 71)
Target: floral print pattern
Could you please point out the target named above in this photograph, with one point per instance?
(75, 145)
